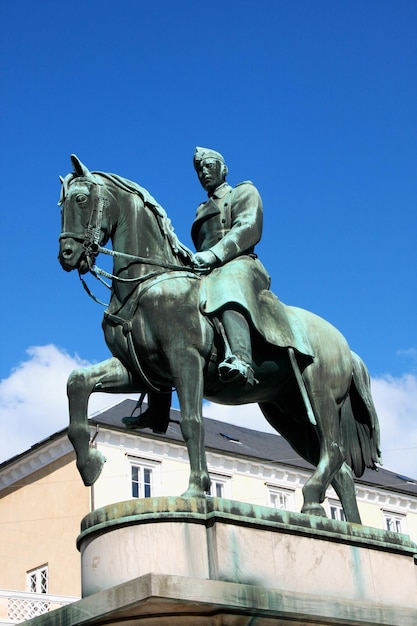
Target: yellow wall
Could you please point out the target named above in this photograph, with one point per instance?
(39, 523)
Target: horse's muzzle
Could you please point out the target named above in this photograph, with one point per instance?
(72, 256)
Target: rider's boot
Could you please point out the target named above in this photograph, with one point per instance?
(236, 367)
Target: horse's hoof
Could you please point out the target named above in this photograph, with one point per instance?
(91, 469)
(314, 509)
(197, 489)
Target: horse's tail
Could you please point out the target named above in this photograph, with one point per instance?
(359, 422)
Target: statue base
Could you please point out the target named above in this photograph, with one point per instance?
(177, 561)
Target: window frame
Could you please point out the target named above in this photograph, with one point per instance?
(222, 480)
(398, 519)
(336, 506)
(285, 495)
(40, 575)
(143, 466)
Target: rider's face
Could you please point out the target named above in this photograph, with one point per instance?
(211, 174)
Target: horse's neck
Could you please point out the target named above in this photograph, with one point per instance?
(138, 233)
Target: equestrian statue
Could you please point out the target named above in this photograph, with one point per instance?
(207, 325)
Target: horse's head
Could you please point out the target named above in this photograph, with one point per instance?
(84, 201)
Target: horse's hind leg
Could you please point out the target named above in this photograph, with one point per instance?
(345, 488)
(331, 454)
(108, 376)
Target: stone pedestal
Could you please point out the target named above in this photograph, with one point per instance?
(178, 562)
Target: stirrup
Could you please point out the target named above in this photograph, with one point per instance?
(234, 370)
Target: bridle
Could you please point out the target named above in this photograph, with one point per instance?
(91, 237)
(92, 248)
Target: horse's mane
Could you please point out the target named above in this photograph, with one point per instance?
(165, 225)
(162, 218)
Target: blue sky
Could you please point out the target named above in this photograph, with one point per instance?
(315, 102)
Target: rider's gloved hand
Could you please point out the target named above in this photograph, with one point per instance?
(205, 259)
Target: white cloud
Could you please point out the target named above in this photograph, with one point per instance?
(246, 415)
(33, 399)
(33, 405)
(396, 404)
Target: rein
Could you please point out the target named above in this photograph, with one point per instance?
(97, 272)
(90, 240)
(147, 261)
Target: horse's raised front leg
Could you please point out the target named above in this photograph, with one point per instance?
(108, 376)
(190, 384)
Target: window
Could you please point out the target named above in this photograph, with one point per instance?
(394, 521)
(281, 498)
(220, 486)
(37, 580)
(336, 511)
(143, 475)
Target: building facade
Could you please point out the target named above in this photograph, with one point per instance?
(42, 497)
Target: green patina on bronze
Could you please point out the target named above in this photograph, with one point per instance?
(207, 325)
(208, 511)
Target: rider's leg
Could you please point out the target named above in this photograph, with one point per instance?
(237, 366)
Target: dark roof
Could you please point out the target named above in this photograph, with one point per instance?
(245, 442)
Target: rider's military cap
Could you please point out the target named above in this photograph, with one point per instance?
(206, 153)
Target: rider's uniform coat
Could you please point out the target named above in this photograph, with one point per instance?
(229, 224)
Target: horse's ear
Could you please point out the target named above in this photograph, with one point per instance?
(62, 194)
(79, 168)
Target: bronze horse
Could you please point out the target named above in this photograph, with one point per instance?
(160, 340)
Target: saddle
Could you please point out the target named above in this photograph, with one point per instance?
(243, 283)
